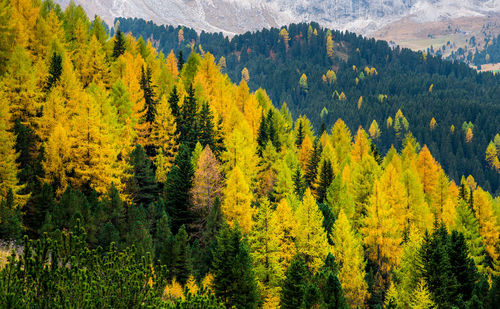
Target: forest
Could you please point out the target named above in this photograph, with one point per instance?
(361, 81)
(135, 178)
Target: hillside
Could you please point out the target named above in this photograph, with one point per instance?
(131, 178)
(459, 95)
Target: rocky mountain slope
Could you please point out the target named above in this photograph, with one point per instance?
(238, 16)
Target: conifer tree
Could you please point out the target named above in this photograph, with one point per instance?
(176, 190)
(331, 290)
(483, 209)
(286, 226)
(163, 241)
(55, 71)
(141, 186)
(10, 219)
(295, 284)
(206, 126)
(173, 100)
(265, 252)
(8, 166)
(298, 183)
(149, 94)
(119, 44)
(311, 238)
(181, 264)
(237, 200)
(468, 225)
(234, 279)
(207, 186)
(164, 139)
(188, 124)
(324, 179)
(348, 250)
(312, 163)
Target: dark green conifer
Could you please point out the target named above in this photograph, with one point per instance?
(312, 165)
(55, 71)
(10, 219)
(295, 284)
(182, 264)
(142, 186)
(298, 183)
(325, 179)
(177, 186)
(234, 279)
(206, 126)
(119, 45)
(188, 124)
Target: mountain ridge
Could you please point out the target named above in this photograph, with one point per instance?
(238, 16)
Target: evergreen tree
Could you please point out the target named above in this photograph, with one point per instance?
(328, 282)
(176, 191)
(137, 231)
(142, 186)
(325, 178)
(173, 100)
(312, 163)
(55, 71)
(437, 269)
(234, 280)
(119, 44)
(163, 241)
(180, 61)
(462, 265)
(149, 94)
(298, 183)
(182, 265)
(262, 135)
(295, 284)
(188, 124)
(206, 126)
(10, 219)
(299, 138)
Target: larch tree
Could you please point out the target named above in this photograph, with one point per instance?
(483, 209)
(394, 193)
(164, 138)
(305, 151)
(286, 227)
(341, 141)
(361, 147)
(57, 163)
(207, 186)
(467, 224)
(381, 233)
(428, 170)
(8, 166)
(237, 200)
(265, 252)
(311, 237)
(348, 251)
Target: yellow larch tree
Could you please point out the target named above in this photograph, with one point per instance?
(311, 237)
(361, 146)
(348, 252)
(483, 209)
(25, 15)
(428, 169)
(8, 166)
(305, 152)
(419, 214)
(374, 130)
(394, 193)
(171, 64)
(20, 87)
(164, 139)
(329, 44)
(381, 231)
(241, 150)
(286, 227)
(93, 155)
(265, 252)
(57, 164)
(341, 141)
(284, 35)
(237, 200)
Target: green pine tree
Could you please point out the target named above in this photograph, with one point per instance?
(142, 186)
(295, 284)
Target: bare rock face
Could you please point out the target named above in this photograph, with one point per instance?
(238, 16)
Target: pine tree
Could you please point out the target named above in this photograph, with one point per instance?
(119, 44)
(437, 269)
(298, 183)
(311, 238)
(206, 126)
(462, 265)
(142, 186)
(234, 280)
(176, 191)
(312, 164)
(188, 124)
(10, 219)
(299, 138)
(331, 290)
(181, 264)
(180, 62)
(295, 284)
(324, 179)
(163, 241)
(173, 100)
(149, 94)
(55, 71)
